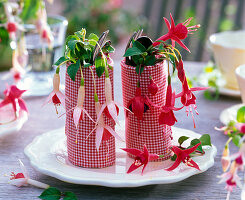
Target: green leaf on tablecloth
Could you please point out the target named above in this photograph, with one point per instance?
(50, 194)
(241, 115)
(182, 139)
(194, 142)
(69, 196)
(236, 140)
(205, 140)
(72, 70)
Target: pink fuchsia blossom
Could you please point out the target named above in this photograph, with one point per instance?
(183, 156)
(188, 99)
(110, 107)
(23, 179)
(225, 159)
(103, 131)
(13, 96)
(141, 158)
(152, 87)
(239, 157)
(231, 179)
(177, 33)
(79, 110)
(167, 115)
(240, 127)
(56, 97)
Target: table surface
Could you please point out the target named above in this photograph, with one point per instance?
(201, 186)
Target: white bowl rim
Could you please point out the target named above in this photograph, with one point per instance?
(214, 42)
(238, 71)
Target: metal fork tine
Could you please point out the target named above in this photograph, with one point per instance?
(100, 42)
(130, 40)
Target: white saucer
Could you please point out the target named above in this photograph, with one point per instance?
(47, 154)
(203, 81)
(229, 114)
(14, 126)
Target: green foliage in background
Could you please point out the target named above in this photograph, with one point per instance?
(100, 15)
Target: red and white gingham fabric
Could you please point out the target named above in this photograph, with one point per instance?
(84, 152)
(158, 138)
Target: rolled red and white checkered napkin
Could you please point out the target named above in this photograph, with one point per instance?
(156, 137)
(84, 152)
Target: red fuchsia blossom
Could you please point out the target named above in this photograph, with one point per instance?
(177, 33)
(23, 179)
(239, 157)
(138, 104)
(103, 131)
(11, 27)
(181, 71)
(167, 115)
(188, 99)
(183, 156)
(152, 87)
(13, 96)
(141, 158)
(56, 97)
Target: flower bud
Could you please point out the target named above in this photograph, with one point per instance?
(225, 160)
(153, 87)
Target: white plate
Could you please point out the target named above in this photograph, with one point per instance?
(203, 81)
(47, 154)
(229, 114)
(14, 126)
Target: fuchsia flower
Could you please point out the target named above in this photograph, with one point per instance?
(23, 179)
(103, 131)
(181, 71)
(152, 87)
(177, 33)
(183, 156)
(188, 99)
(110, 107)
(167, 115)
(231, 178)
(11, 27)
(78, 113)
(56, 97)
(138, 104)
(240, 127)
(13, 96)
(141, 158)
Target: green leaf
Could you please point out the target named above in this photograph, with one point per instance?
(99, 66)
(150, 60)
(93, 39)
(50, 194)
(72, 44)
(61, 61)
(182, 139)
(241, 115)
(139, 46)
(30, 9)
(173, 158)
(205, 140)
(72, 70)
(69, 196)
(196, 141)
(132, 51)
(107, 48)
(236, 140)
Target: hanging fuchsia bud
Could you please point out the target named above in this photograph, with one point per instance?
(152, 87)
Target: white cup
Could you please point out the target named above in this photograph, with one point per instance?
(240, 75)
(229, 53)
